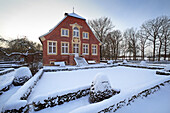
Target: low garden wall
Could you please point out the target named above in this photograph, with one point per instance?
(18, 102)
(77, 68)
(6, 71)
(58, 98)
(8, 84)
(127, 102)
(140, 66)
(6, 88)
(112, 105)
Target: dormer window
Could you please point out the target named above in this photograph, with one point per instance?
(75, 32)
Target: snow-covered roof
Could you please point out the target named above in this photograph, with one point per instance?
(74, 15)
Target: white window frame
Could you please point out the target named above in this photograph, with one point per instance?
(76, 48)
(85, 35)
(53, 47)
(85, 49)
(94, 49)
(65, 32)
(76, 32)
(65, 47)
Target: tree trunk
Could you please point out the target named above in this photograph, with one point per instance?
(154, 44)
(159, 56)
(165, 49)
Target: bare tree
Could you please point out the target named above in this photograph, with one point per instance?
(152, 27)
(101, 27)
(164, 35)
(132, 37)
(143, 42)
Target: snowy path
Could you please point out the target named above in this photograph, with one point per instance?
(6, 95)
(120, 77)
(158, 102)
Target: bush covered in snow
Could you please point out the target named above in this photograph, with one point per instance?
(125, 62)
(143, 63)
(22, 75)
(167, 68)
(100, 89)
(110, 62)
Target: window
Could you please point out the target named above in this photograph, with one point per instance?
(64, 32)
(52, 47)
(75, 48)
(85, 35)
(64, 47)
(75, 32)
(85, 49)
(94, 49)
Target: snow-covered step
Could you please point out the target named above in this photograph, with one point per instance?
(80, 61)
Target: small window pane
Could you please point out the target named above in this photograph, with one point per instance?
(50, 49)
(50, 43)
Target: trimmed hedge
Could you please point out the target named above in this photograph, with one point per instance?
(139, 66)
(128, 101)
(72, 69)
(163, 73)
(6, 71)
(58, 100)
(23, 108)
(5, 89)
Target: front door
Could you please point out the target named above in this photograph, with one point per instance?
(76, 49)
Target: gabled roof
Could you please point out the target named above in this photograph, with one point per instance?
(66, 14)
(74, 15)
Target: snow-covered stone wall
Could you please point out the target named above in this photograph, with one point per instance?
(112, 104)
(58, 98)
(18, 101)
(6, 71)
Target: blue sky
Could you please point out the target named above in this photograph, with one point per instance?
(36, 17)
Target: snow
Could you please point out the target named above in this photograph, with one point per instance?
(167, 68)
(125, 62)
(6, 79)
(75, 15)
(6, 70)
(91, 62)
(122, 78)
(101, 83)
(124, 94)
(6, 95)
(14, 101)
(129, 80)
(143, 63)
(62, 64)
(66, 107)
(110, 61)
(23, 71)
(157, 103)
(41, 97)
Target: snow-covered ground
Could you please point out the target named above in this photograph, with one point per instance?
(122, 78)
(6, 95)
(159, 102)
(126, 79)
(6, 79)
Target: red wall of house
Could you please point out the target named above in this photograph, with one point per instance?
(55, 35)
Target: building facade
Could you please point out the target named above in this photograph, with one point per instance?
(72, 36)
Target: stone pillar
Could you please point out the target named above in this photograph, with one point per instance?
(71, 59)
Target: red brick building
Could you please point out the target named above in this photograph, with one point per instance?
(71, 35)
